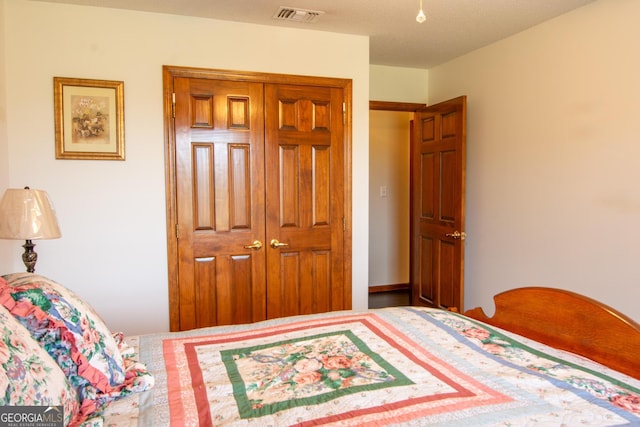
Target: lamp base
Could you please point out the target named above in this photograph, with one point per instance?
(29, 257)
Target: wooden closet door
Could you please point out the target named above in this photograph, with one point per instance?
(305, 200)
(219, 163)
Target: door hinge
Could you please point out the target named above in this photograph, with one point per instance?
(173, 105)
(344, 113)
(177, 231)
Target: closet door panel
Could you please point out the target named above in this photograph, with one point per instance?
(219, 127)
(304, 198)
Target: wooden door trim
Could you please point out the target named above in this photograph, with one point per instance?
(170, 197)
(395, 106)
(252, 76)
(170, 72)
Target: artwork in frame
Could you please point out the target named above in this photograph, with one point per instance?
(89, 119)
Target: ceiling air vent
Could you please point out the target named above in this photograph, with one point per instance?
(297, 15)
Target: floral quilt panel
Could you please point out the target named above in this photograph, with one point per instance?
(400, 366)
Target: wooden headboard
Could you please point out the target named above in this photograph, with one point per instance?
(569, 321)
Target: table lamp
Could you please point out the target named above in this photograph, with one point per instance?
(27, 214)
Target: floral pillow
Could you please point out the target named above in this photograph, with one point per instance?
(28, 375)
(76, 337)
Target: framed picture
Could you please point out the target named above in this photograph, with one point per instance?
(89, 116)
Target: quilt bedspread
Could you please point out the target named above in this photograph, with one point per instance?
(396, 366)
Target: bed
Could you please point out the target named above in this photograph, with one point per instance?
(547, 357)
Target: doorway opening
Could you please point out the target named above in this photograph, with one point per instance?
(389, 202)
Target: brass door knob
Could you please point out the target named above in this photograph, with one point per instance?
(275, 244)
(256, 245)
(457, 235)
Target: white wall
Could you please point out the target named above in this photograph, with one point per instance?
(5, 247)
(112, 214)
(389, 167)
(398, 84)
(552, 156)
(389, 213)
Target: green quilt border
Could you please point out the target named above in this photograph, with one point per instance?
(248, 409)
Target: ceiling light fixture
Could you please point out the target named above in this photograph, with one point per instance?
(421, 16)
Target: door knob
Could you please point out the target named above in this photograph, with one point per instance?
(275, 244)
(457, 235)
(257, 244)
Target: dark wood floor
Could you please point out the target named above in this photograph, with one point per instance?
(389, 299)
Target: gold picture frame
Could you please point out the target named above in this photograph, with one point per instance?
(89, 119)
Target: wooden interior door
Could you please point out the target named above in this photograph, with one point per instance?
(305, 200)
(438, 205)
(219, 170)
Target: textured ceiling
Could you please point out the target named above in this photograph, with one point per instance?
(452, 28)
